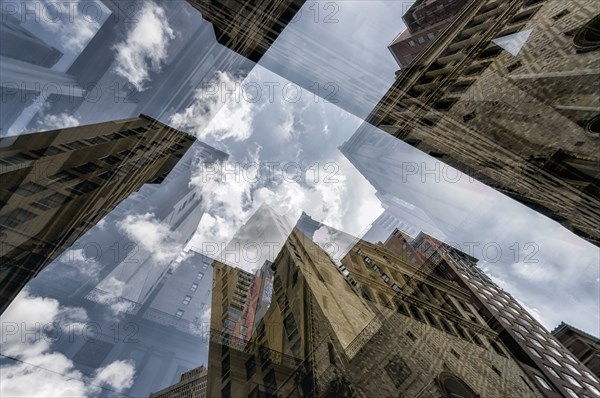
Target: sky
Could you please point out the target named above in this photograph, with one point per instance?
(282, 142)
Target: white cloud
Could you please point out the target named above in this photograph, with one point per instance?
(74, 27)
(118, 375)
(145, 47)
(55, 122)
(151, 236)
(218, 112)
(30, 325)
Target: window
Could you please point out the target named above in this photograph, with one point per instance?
(396, 288)
(368, 260)
(179, 314)
(194, 287)
(430, 36)
(62, 176)
(519, 335)
(411, 43)
(534, 352)
(593, 389)
(250, 368)
(96, 140)
(537, 343)
(385, 278)
(376, 268)
(75, 145)
(55, 200)
(572, 368)
(552, 371)
(572, 380)
(571, 392)
(555, 351)
(107, 175)
(589, 376)
(127, 153)
(29, 188)
(110, 159)
(543, 382)
(200, 275)
(186, 300)
(552, 360)
(16, 217)
(86, 168)
(421, 40)
(83, 187)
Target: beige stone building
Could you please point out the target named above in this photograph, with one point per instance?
(508, 93)
(375, 326)
(58, 184)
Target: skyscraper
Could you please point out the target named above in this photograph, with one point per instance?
(245, 26)
(424, 20)
(483, 96)
(540, 354)
(379, 327)
(58, 184)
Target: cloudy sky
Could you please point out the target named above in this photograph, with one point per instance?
(282, 142)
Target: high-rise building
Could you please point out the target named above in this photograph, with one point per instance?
(376, 326)
(191, 385)
(583, 345)
(248, 27)
(58, 184)
(424, 20)
(556, 371)
(486, 92)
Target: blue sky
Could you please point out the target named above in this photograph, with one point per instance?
(552, 272)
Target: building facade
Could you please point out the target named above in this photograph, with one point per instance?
(245, 26)
(483, 96)
(58, 184)
(583, 345)
(191, 385)
(375, 326)
(424, 20)
(556, 372)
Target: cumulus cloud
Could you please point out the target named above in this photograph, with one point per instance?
(152, 237)
(55, 122)
(218, 112)
(145, 47)
(30, 325)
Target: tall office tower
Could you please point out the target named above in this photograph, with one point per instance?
(583, 345)
(557, 372)
(484, 95)
(335, 242)
(424, 20)
(58, 184)
(403, 182)
(248, 27)
(176, 207)
(362, 332)
(255, 242)
(191, 385)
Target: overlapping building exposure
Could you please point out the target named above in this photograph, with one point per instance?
(308, 310)
(58, 184)
(492, 94)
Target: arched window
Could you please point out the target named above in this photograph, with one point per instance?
(588, 36)
(452, 387)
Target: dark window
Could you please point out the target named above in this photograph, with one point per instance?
(75, 145)
(270, 383)
(415, 312)
(16, 217)
(83, 187)
(86, 168)
(127, 153)
(111, 159)
(50, 151)
(96, 140)
(250, 368)
(29, 188)
(114, 136)
(226, 391)
(62, 176)
(55, 200)
(107, 175)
